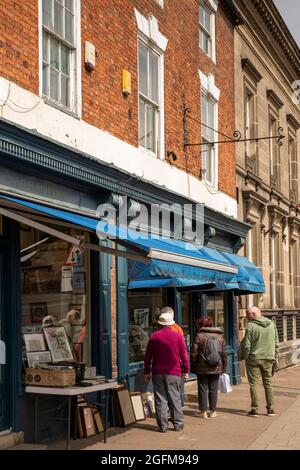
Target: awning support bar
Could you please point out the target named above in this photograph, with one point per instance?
(121, 254)
(41, 227)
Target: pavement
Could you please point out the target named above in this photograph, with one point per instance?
(232, 429)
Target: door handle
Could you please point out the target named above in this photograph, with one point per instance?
(2, 353)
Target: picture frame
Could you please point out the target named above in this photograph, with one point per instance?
(141, 317)
(38, 311)
(39, 357)
(138, 408)
(34, 342)
(126, 408)
(58, 344)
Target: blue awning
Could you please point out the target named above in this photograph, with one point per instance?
(249, 277)
(168, 263)
(165, 274)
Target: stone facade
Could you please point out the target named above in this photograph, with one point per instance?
(267, 62)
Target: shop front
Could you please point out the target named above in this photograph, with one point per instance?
(106, 295)
(211, 292)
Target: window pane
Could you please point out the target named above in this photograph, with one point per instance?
(53, 292)
(54, 53)
(150, 114)
(45, 79)
(205, 42)
(153, 77)
(58, 18)
(211, 120)
(202, 15)
(65, 90)
(45, 47)
(54, 84)
(142, 131)
(69, 4)
(47, 13)
(65, 59)
(207, 20)
(143, 69)
(69, 27)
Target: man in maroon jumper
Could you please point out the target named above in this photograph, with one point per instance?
(166, 351)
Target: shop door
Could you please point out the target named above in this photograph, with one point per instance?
(4, 376)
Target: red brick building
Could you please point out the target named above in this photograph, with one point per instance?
(93, 97)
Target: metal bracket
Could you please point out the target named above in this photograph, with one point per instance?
(236, 136)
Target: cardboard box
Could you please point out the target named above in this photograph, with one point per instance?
(50, 378)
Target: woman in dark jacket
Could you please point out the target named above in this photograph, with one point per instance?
(207, 375)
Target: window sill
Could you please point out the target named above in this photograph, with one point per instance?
(151, 154)
(212, 58)
(60, 107)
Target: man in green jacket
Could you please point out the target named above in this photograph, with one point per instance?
(259, 349)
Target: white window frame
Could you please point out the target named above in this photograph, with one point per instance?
(146, 99)
(211, 92)
(211, 6)
(148, 32)
(75, 108)
(160, 2)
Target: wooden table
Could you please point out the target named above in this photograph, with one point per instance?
(68, 393)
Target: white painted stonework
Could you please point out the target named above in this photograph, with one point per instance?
(26, 109)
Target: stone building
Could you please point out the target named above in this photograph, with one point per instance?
(267, 63)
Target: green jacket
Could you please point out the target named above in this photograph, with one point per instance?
(260, 341)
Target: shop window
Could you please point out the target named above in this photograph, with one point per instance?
(216, 308)
(144, 308)
(276, 275)
(59, 51)
(54, 286)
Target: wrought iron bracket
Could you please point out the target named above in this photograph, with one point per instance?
(236, 136)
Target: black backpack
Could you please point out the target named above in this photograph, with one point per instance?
(213, 350)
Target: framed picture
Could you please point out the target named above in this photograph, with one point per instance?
(40, 357)
(34, 342)
(38, 311)
(137, 403)
(126, 408)
(141, 317)
(58, 344)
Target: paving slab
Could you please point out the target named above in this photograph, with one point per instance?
(231, 430)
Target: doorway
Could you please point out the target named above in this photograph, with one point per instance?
(5, 389)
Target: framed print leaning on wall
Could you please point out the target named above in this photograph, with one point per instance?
(58, 344)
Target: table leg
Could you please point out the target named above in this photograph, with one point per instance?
(105, 416)
(69, 422)
(35, 418)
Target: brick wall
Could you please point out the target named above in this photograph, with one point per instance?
(19, 43)
(111, 26)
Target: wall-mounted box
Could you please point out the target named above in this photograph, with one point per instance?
(126, 82)
(90, 56)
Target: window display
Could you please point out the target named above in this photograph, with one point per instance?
(54, 289)
(143, 307)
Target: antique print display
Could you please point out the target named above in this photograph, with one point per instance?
(141, 317)
(58, 344)
(34, 342)
(41, 357)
